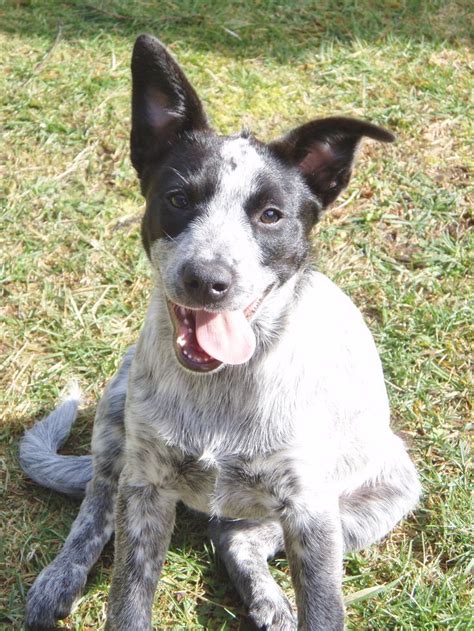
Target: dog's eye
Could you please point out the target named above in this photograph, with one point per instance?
(177, 199)
(270, 215)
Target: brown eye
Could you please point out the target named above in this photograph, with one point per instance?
(177, 199)
(270, 215)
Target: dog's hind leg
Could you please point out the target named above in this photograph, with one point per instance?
(245, 547)
(369, 512)
(58, 585)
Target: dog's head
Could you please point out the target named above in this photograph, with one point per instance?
(227, 218)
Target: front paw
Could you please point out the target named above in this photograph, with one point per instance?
(52, 595)
(273, 612)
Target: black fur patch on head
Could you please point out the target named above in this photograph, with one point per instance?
(284, 245)
(192, 167)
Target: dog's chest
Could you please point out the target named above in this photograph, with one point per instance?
(218, 443)
(225, 414)
(220, 471)
(236, 487)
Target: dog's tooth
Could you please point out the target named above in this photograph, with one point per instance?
(182, 312)
(186, 321)
(181, 340)
(190, 329)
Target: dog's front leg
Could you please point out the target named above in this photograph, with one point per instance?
(60, 583)
(313, 543)
(144, 523)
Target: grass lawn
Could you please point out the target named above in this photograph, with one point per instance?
(75, 280)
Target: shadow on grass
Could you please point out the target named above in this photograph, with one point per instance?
(274, 29)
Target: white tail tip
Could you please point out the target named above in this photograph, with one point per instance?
(72, 392)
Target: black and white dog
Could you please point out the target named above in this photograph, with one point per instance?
(255, 392)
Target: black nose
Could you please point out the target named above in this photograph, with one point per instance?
(206, 282)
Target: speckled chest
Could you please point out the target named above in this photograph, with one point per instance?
(236, 487)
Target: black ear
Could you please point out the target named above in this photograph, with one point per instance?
(164, 104)
(324, 151)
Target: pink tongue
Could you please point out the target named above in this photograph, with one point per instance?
(225, 336)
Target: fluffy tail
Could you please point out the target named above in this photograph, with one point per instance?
(38, 451)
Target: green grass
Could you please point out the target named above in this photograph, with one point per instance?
(75, 281)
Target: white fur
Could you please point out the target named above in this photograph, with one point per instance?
(324, 413)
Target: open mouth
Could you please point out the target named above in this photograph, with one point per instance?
(204, 340)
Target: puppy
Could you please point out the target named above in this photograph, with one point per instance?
(255, 392)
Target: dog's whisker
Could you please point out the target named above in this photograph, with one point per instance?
(169, 236)
(180, 175)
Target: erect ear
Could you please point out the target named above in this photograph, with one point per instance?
(164, 104)
(324, 150)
